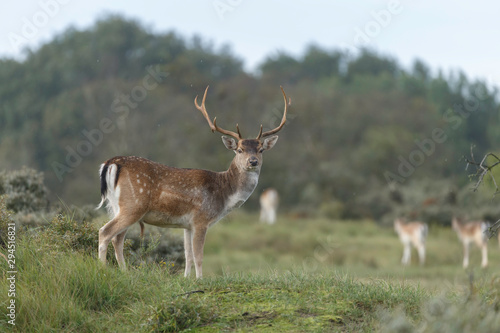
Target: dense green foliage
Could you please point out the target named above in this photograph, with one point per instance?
(358, 122)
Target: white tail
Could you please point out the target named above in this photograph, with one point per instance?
(472, 232)
(413, 233)
(269, 201)
(140, 190)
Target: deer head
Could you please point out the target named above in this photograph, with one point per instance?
(248, 151)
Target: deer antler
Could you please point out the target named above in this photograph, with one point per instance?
(283, 120)
(213, 126)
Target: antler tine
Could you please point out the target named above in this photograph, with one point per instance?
(238, 130)
(203, 110)
(283, 120)
(260, 132)
(223, 131)
(213, 126)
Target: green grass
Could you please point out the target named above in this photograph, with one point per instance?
(72, 292)
(358, 248)
(300, 275)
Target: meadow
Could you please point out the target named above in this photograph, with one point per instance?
(299, 275)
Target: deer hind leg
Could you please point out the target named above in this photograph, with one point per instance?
(118, 241)
(188, 251)
(113, 228)
(199, 235)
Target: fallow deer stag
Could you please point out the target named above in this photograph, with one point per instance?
(472, 232)
(140, 190)
(413, 233)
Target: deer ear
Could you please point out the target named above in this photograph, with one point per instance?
(230, 143)
(269, 142)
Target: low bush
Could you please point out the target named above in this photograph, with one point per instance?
(166, 249)
(64, 233)
(427, 200)
(445, 315)
(5, 219)
(180, 314)
(24, 189)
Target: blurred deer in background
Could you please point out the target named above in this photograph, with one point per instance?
(413, 233)
(472, 232)
(140, 190)
(269, 201)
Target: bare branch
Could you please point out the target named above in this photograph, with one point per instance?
(483, 169)
(493, 229)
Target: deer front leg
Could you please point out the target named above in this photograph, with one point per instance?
(272, 216)
(262, 217)
(406, 254)
(466, 255)
(421, 254)
(199, 235)
(188, 251)
(484, 252)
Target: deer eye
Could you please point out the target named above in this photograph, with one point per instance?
(261, 150)
(239, 150)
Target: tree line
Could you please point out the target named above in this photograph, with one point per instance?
(361, 131)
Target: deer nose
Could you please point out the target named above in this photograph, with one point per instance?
(253, 161)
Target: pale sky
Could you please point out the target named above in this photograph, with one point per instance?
(445, 34)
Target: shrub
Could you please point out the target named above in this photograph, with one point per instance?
(444, 315)
(5, 219)
(180, 314)
(431, 201)
(158, 248)
(78, 213)
(24, 190)
(64, 233)
(333, 210)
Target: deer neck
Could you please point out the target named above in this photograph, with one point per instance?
(240, 184)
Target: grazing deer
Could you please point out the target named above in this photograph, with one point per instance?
(413, 233)
(269, 200)
(140, 190)
(472, 232)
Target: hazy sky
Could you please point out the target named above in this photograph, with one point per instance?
(445, 34)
